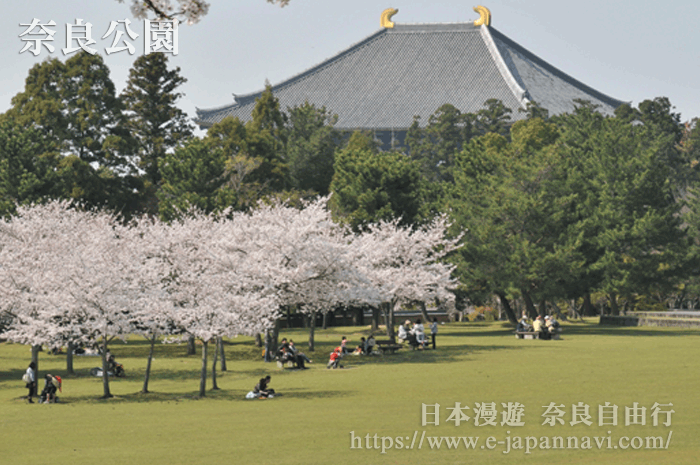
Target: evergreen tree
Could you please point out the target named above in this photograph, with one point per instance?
(27, 171)
(370, 186)
(436, 146)
(193, 176)
(311, 146)
(266, 136)
(494, 117)
(500, 201)
(154, 120)
(74, 106)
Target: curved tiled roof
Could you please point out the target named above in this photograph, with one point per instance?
(413, 69)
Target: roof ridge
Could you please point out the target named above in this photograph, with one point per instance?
(556, 71)
(519, 93)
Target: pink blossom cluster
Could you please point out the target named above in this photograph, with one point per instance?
(83, 276)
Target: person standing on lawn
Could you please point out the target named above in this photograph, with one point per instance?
(30, 379)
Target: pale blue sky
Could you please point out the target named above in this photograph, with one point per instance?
(630, 50)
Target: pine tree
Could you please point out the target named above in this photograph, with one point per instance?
(153, 119)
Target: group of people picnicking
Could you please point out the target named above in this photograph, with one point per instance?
(415, 335)
(545, 327)
(287, 352)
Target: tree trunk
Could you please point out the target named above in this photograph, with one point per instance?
(424, 312)
(573, 311)
(557, 312)
(214, 386)
(35, 358)
(375, 319)
(268, 346)
(325, 320)
(543, 308)
(587, 307)
(69, 359)
(258, 340)
(289, 316)
(105, 374)
(146, 378)
(615, 310)
(223, 355)
(191, 350)
(507, 308)
(390, 321)
(312, 330)
(275, 336)
(203, 377)
(529, 306)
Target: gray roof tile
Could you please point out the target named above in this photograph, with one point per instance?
(413, 69)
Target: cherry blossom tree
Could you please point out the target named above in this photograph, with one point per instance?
(406, 266)
(307, 256)
(190, 11)
(71, 274)
(218, 282)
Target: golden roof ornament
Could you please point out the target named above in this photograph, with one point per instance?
(485, 16)
(385, 19)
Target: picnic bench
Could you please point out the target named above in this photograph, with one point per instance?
(385, 346)
(535, 335)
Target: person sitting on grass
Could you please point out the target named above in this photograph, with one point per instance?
(262, 390)
(51, 385)
(360, 349)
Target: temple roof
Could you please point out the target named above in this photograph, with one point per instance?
(412, 69)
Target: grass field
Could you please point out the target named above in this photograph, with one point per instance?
(313, 420)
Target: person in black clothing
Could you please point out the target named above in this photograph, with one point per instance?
(261, 388)
(48, 394)
(299, 358)
(283, 352)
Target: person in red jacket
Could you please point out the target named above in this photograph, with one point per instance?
(336, 355)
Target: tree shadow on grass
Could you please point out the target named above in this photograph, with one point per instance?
(447, 354)
(229, 395)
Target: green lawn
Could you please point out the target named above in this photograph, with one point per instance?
(312, 422)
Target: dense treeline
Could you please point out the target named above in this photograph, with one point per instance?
(596, 211)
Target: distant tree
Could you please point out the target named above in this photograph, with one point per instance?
(371, 186)
(494, 117)
(266, 137)
(74, 106)
(436, 145)
(69, 273)
(405, 265)
(154, 120)
(27, 172)
(193, 176)
(311, 145)
(624, 219)
(500, 202)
